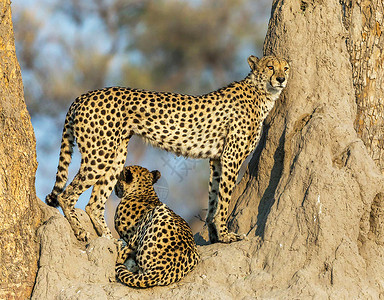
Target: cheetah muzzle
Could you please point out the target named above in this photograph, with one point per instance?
(223, 126)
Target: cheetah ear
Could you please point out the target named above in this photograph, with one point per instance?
(128, 177)
(156, 176)
(252, 61)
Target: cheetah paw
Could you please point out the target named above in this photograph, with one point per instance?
(82, 235)
(120, 244)
(232, 237)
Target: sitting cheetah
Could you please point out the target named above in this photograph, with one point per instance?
(159, 241)
(223, 126)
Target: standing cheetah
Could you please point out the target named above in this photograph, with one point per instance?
(223, 126)
(158, 241)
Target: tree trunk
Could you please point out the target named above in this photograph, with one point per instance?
(19, 212)
(312, 193)
(365, 43)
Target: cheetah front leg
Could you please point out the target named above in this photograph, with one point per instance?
(222, 182)
(214, 181)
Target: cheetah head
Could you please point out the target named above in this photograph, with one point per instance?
(135, 180)
(269, 73)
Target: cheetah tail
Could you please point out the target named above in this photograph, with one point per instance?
(134, 279)
(67, 143)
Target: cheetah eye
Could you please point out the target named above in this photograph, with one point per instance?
(286, 69)
(270, 67)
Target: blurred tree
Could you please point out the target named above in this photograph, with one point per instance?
(191, 48)
(183, 46)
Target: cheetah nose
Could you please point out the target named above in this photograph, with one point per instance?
(280, 79)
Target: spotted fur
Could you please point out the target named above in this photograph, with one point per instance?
(159, 241)
(223, 126)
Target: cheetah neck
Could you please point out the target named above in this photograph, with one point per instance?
(262, 89)
(144, 197)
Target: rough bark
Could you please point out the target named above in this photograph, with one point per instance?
(312, 192)
(365, 43)
(19, 213)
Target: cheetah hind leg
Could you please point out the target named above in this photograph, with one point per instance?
(129, 272)
(132, 275)
(102, 190)
(127, 256)
(68, 199)
(96, 206)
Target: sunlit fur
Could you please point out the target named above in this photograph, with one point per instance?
(223, 126)
(159, 241)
